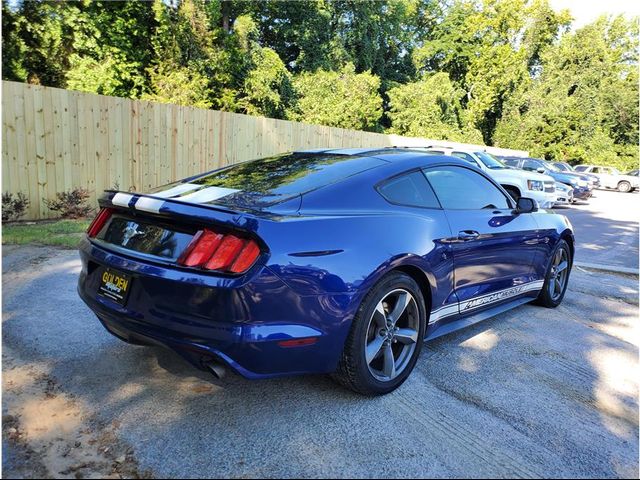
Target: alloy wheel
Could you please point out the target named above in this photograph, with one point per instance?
(392, 335)
(559, 273)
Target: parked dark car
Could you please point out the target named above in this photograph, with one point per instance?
(565, 167)
(331, 261)
(579, 183)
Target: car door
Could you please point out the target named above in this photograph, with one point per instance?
(493, 248)
(605, 176)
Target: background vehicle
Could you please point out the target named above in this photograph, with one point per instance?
(565, 167)
(334, 261)
(633, 173)
(532, 185)
(579, 183)
(611, 178)
(564, 194)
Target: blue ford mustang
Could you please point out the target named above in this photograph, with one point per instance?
(326, 261)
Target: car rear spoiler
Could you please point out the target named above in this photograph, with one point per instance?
(181, 211)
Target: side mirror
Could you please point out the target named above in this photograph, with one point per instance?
(526, 205)
(540, 170)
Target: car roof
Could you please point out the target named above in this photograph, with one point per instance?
(268, 181)
(396, 159)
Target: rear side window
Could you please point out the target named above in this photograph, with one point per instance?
(411, 189)
(463, 189)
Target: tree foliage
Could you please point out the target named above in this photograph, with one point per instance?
(431, 108)
(504, 72)
(339, 99)
(584, 105)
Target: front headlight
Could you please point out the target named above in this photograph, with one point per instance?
(582, 183)
(535, 185)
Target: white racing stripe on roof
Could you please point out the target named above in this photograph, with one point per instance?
(177, 190)
(121, 199)
(207, 195)
(147, 204)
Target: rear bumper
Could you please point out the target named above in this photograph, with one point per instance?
(237, 321)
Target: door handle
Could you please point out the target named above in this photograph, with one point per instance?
(467, 234)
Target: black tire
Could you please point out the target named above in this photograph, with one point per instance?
(353, 370)
(514, 192)
(546, 298)
(624, 187)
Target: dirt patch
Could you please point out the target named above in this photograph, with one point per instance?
(48, 433)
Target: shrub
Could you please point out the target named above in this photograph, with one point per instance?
(13, 207)
(71, 204)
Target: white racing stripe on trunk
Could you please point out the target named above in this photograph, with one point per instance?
(147, 204)
(177, 190)
(121, 199)
(207, 195)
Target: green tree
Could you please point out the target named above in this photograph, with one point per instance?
(111, 48)
(340, 99)
(430, 108)
(266, 88)
(583, 105)
(39, 37)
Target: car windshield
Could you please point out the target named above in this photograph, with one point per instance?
(563, 167)
(490, 161)
(550, 166)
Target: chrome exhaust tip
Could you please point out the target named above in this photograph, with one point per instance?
(218, 370)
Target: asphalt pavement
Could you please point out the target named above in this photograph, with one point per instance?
(606, 228)
(531, 393)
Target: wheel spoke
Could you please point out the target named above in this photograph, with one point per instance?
(373, 348)
(407, 336)
(557, 258)
(562, 266)
(379, 316)
(401, 304)
(557, 286)
(389, 366)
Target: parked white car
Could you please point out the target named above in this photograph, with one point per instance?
(518, 183)
(611, 177)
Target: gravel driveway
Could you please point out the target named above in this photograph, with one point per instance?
(534, 392)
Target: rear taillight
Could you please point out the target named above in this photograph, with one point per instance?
(215, 251)
(101, 219)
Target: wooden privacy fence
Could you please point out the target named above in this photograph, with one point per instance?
(54, 140)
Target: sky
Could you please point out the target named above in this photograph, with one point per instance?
(585, 11)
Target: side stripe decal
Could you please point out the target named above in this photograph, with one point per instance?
(483, 300)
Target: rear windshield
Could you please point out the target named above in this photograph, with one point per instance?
(264, 182)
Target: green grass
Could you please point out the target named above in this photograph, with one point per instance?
(60, 233)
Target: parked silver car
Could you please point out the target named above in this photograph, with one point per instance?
(611, 178)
